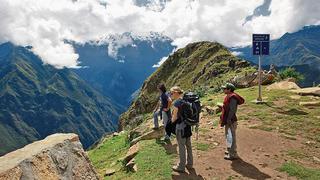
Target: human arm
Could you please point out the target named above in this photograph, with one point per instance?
(174, 114)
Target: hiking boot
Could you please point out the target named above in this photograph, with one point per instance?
(155, 128)
(189, 166)
(231, 158)
(177, 169)
(166, 138)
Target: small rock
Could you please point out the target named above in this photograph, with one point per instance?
(267, 155)
(133, 151)
(311, 103)
(215, 143)
(316, 159)
(130, 165)
(115, 134)
(310, 142)
(135, 168)
(109, 172)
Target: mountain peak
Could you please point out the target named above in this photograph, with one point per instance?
(198, 65)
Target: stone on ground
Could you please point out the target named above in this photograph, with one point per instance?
(312, 91)
(132, 152)
(283, 85)
(311, 103)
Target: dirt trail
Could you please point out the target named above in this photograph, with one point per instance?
(261, 153)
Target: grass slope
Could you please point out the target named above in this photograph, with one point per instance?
(201, 66)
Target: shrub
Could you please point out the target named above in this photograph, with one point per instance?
(291, 73)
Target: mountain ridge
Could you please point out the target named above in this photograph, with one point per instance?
(201, 66)
(37, 100)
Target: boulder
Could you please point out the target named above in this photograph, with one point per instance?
(59, 156)
(110, 172)
(212, 110)
(283, 85)
(132, 152)
(312, 91)
(311, 103)
(152, 134)
(249, 80)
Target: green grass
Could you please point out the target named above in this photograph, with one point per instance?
(107, 154)
(297, 154)
(202, 146)
(153, 162)
(280, 113)
(300, 172)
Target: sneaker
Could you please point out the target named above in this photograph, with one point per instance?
(177, 169)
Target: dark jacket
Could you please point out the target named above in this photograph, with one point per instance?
(227, 112)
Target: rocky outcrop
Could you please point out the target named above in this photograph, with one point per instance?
(153, 134)
(59, 156)
(249, 80)
(313, 91)
(284, 85)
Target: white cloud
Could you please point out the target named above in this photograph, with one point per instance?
(162, 60)
(47, 25)
(236, 53)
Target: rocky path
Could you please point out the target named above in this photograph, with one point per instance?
(261, 153)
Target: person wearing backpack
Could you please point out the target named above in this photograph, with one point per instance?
(229, 119)
(183, 132)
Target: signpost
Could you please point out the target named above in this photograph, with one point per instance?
(260, 47)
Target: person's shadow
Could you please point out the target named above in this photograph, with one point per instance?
(185, 176)
(248, 170)
(168, 146)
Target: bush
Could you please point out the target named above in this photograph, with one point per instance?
(291, 73)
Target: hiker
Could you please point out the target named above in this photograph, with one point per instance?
(183, 132)
(164, 110)
(228, 119)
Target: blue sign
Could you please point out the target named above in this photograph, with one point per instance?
(260, 44)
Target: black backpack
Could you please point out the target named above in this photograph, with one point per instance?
(190, 109)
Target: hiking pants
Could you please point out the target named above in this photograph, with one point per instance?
(156, 119)
(233, 149)
(166, 119)
(184, 145)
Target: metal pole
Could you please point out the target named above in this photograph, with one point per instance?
(260, 96)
